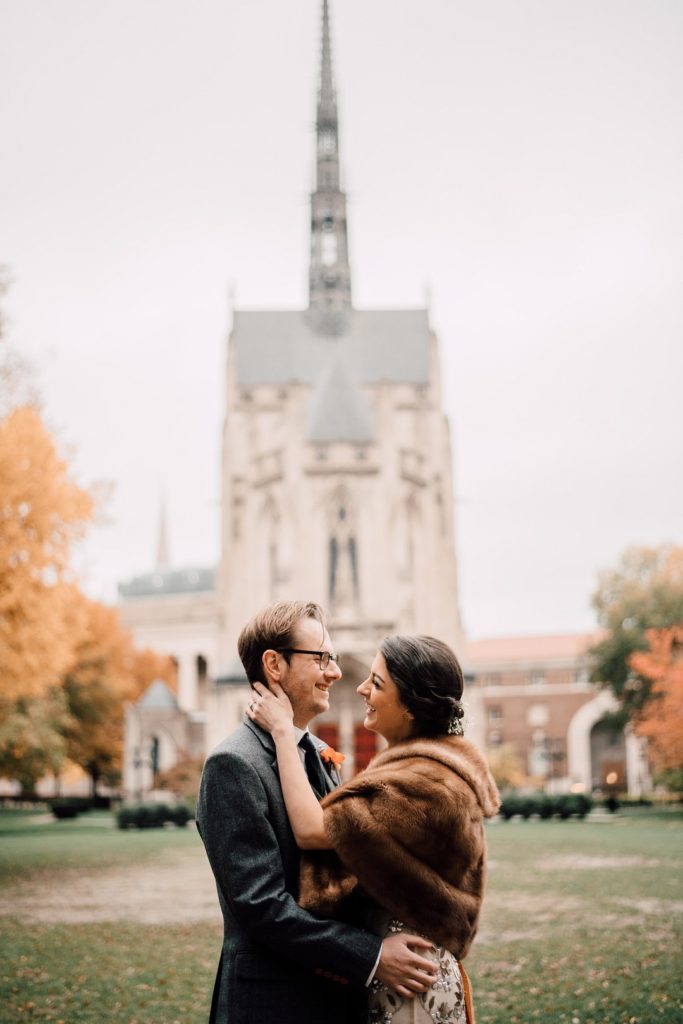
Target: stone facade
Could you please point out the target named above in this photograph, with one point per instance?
(336, 462)
(336, 487)
(176, 612)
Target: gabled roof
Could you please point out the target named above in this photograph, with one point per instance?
(170, 581)
(233, 674)
(338, 410)
(158, 697)
(282, 346)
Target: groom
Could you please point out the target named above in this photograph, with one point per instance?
(280, 963)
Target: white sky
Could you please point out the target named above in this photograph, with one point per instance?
(523, 158)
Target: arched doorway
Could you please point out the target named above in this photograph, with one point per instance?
(608, 757)
(587, 755)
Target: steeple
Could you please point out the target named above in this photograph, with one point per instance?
(162, 542)
(330, 274)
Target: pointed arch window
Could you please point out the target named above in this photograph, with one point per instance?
(343, 557)
(271, 523)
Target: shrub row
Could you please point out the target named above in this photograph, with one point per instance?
(564, 805)
(153, 816)
(71, 806)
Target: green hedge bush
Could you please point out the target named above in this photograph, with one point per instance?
(563, 805)
(153, 816)
(69, 806)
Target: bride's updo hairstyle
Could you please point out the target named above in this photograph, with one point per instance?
(429, 680)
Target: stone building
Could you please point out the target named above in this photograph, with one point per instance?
(336, 479)
(336, 487)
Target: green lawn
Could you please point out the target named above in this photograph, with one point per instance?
(583, 922)
(582, 925)
(27, 846)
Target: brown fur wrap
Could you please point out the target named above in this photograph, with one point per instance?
(410, 830)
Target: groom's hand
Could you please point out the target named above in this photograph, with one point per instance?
(402, 968)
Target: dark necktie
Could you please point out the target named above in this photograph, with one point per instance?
(313, 764)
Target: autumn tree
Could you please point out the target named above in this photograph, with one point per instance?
(66, 664)
(183, 778)
(661, 719)
(507, 767)
(32, 740)
(644, 592)
(106, 671)
(42, 512)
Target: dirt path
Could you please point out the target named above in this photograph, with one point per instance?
(176, 888)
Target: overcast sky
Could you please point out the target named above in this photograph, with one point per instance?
(521, 159)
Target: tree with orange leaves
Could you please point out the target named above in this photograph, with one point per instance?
(66, 664)
(106, 671)
(645, 591)
(42, 512)
(661, 720)
(32, 742)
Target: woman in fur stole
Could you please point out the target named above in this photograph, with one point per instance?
(408, 831)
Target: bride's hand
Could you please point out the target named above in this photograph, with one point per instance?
(270, 708)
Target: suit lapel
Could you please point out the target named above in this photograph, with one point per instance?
(332, 779)
(266, 741)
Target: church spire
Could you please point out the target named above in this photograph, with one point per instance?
(327, 100)
(162, 541)
(330, 274)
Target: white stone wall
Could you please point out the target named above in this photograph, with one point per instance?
(184, 626)
(278, 499)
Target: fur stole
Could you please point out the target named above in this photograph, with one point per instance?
(410, 830)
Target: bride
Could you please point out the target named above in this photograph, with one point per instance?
(408, 831)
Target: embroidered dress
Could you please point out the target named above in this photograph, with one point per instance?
(443, 1003)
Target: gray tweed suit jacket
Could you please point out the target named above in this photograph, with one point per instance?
(279, 963)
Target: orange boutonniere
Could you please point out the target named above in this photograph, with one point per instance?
(332, 757)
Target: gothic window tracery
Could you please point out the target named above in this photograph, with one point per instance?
(271, 533)
(343, 576)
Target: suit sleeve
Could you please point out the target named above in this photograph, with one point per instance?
(245, 857)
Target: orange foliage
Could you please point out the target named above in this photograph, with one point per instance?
(42, 511)
(106, 672)
(662, 718)
(67, 666)
(183, 778)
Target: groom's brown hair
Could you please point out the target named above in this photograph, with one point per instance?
(273, 628)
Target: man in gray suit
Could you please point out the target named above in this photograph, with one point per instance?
(280, 963)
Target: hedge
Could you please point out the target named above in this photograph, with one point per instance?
(153, 816)
(564, 805)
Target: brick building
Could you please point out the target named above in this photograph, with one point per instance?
(533, 697)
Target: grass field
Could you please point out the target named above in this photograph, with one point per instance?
(582, 925)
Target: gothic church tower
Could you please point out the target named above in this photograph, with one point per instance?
(336, 464)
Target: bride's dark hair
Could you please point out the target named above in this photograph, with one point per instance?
(429, 680)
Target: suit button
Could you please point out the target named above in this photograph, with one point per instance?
(335, 977)
(327, 974)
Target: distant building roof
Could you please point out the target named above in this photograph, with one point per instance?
(526, 649)
(282, 346)
(233, 674)
(338, 410)
(170, 581)
(158, 697)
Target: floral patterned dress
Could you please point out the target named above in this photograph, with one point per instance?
(443, 1003)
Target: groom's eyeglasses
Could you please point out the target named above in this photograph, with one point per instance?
(324, 657)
